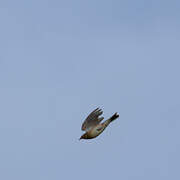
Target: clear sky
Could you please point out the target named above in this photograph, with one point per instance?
(62, 59)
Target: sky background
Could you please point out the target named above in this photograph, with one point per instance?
(59, 60)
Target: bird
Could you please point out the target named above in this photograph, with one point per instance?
(92, 124)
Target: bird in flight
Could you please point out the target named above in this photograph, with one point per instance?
(92, 125)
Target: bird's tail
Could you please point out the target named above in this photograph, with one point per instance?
(115, 116)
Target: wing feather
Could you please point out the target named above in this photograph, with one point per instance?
(93, 119)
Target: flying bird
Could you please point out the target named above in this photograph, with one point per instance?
(92, 125)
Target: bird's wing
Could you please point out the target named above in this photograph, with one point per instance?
(92, 120)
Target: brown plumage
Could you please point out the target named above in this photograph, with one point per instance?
(92, 125)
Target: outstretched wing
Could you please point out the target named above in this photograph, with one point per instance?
(92, 120)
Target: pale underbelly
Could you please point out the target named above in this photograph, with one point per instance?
(95, 132)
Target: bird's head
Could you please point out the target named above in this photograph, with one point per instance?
(84, 136)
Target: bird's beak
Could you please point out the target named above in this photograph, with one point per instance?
(80, 138)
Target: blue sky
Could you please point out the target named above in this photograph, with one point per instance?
(60, 60)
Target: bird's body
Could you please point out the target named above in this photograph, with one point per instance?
(92, 124)
(97, 130)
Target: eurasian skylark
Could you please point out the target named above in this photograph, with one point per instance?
(92, 125)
